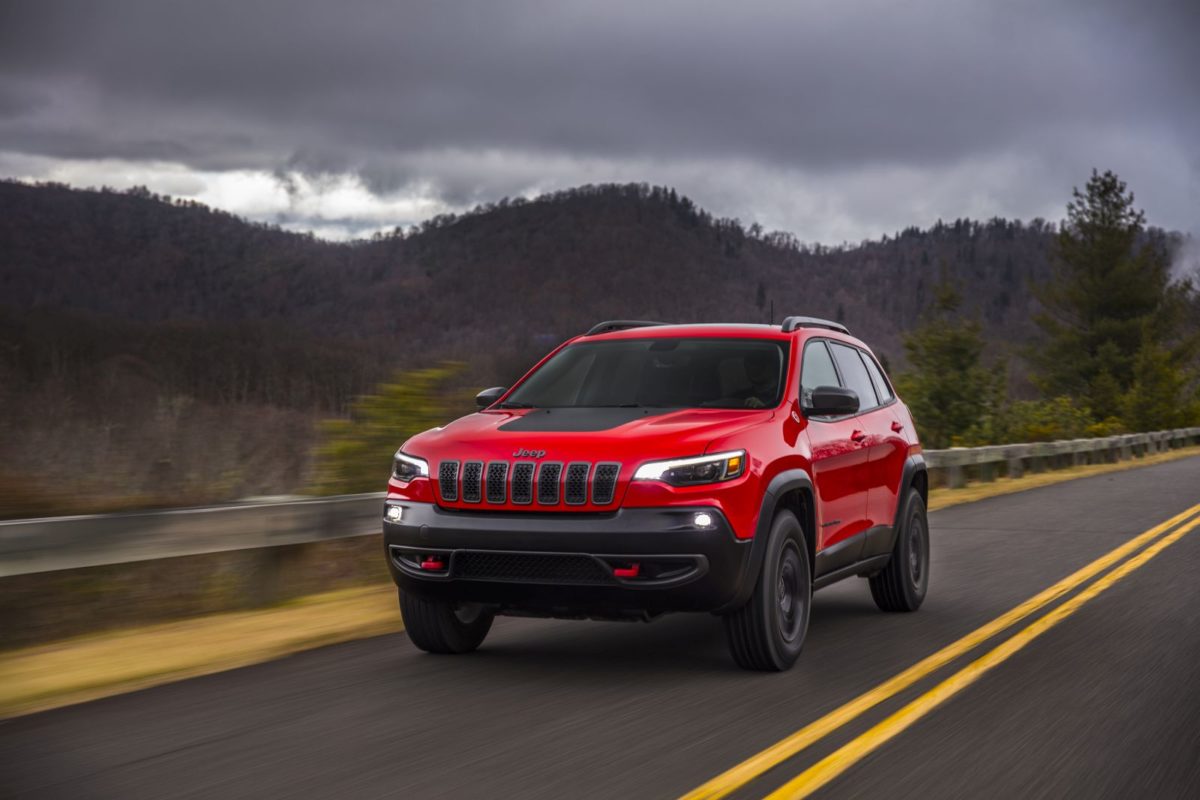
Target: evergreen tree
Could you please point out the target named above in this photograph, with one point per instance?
(1111, 295)
(1157, 398)
(950, 392)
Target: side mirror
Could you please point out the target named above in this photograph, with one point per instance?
(831, 401)
(489, 396)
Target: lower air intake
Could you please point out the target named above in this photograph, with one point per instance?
(529, 568)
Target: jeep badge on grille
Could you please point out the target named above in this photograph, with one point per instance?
(529, 454)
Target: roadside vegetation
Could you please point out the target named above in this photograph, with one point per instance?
(354, 454)
(1116, 350)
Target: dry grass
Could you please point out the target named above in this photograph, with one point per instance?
(944, 498)
(85, 668)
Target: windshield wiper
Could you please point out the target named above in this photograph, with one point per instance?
(515, 404)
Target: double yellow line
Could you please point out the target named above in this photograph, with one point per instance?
(844, 757)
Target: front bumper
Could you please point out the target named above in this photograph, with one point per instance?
(626, 563)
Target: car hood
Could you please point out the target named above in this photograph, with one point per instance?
(586, 434)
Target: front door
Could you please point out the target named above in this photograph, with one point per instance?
(878, 428)
(840, 462)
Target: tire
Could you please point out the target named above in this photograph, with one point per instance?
(438, 626)
(902, 584)
(767, 633)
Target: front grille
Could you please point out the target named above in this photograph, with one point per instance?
(448, 480)
(472, 481)
(529, 568)
(547, 484)
(551, 483)
(497, 486)
(522, 482)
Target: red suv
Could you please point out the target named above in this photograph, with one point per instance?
(643, 468)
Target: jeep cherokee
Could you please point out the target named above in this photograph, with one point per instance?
(644, 468)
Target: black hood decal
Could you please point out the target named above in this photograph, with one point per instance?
(580, 420)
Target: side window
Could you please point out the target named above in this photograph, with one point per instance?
(854, 372)
(817, 370)
(881, 385)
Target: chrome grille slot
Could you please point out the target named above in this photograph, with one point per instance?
(497, 482)
(604, 482)
(547, 483)
(575, 491)
(448, 480)
(472, 481)
(522, 482)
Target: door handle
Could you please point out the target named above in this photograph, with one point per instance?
(897, 427)
(857, 436)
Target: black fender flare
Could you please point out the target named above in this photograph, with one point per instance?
(781, 484)
(914, 466)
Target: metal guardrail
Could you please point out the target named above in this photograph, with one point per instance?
(953, 465)
(55, 543)
(59, 543)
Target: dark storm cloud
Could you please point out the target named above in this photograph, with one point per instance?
(405, 93)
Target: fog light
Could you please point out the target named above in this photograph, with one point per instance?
(394, 513)
(702, 520)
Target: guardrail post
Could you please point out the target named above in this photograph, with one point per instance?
(268, 571)
(956, 476)
(1016, 466)
(1079, 456)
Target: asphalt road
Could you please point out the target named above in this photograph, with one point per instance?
(1105, 704)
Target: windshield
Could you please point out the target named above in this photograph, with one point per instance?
(658, 373)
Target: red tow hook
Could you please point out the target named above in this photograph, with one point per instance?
(433, 562)
(627, 572)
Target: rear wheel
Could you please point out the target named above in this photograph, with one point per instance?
(902, 584)
(768, 632)
(439, 626)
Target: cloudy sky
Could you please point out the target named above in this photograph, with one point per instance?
(836, 121)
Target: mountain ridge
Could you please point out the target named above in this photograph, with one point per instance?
(505, 276)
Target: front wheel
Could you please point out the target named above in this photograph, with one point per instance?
(902, 584)
(768, 632)
(438, 626)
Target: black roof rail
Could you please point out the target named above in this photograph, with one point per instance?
(621, 325)
(792, 323)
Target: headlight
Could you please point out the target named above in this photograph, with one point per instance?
(405, 468)
(692, 471)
